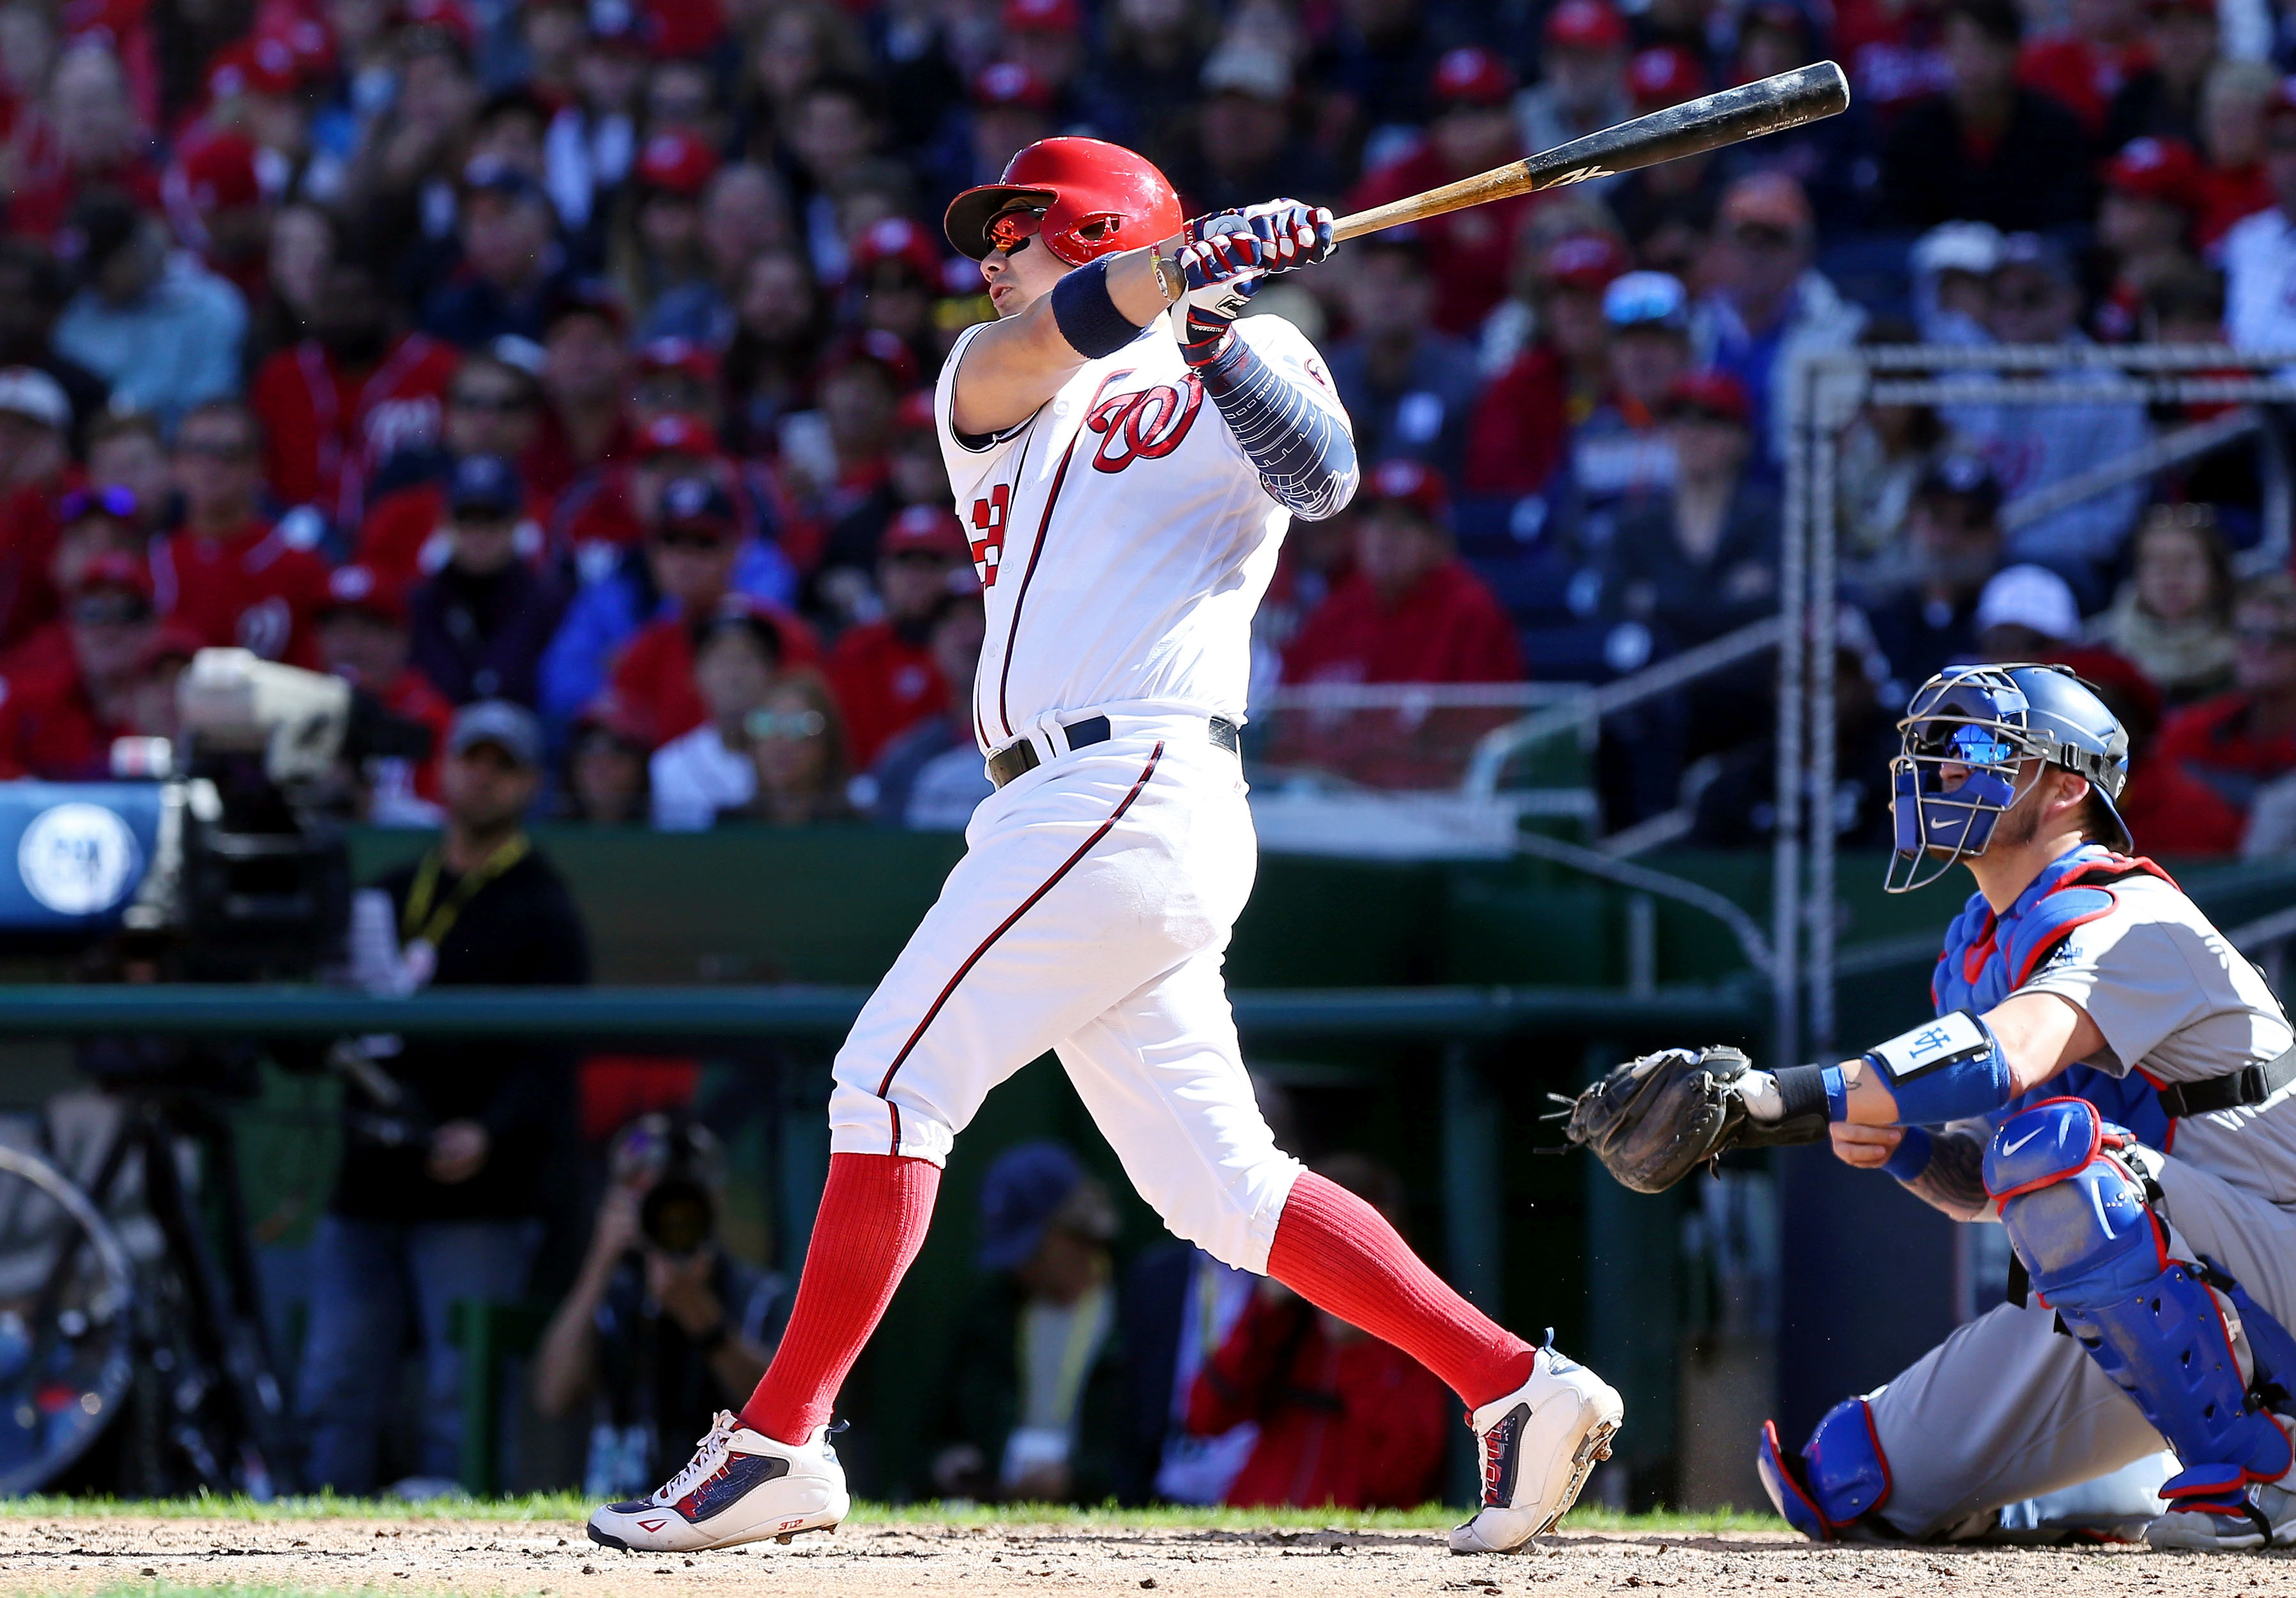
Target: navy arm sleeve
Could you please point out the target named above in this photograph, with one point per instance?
(1305, 456)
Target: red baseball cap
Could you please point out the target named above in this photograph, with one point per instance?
(677, 161)
(898, 238)
(254, 66)
(696, 361)
(1472, 75)
(932, 528)
(1413, 483)
(1664, 75)
(1586, 25)
(116, 571)
(367, 591)
(884, 349)
(1583, 260)
(1043, 16)
(1716, 394)
(677, 434)
(218, 174)
(2164, 169)
(1009, 83)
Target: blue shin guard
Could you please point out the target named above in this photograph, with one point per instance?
(2077, 1219)
(1838, 1476)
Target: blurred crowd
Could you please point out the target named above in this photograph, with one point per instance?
(578, 354)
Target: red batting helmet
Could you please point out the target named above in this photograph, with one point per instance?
(1097, 198)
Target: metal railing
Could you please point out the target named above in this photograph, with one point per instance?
(699, 1014)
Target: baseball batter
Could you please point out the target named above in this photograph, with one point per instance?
(2110, 1081)
(1126, 456)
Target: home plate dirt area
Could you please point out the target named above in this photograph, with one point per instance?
(121, 1553)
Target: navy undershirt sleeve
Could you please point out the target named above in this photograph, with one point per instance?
(1305, 456)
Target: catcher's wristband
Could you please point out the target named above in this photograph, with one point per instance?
(1951, 1070)
(1802, 1090)
(1911, 1157)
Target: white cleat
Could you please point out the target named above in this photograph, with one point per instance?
(2271, 1519)
(1538, 1445)
(739, 1486)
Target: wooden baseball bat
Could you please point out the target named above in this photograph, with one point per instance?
(1789, 100)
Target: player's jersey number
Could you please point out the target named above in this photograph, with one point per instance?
(988, 537)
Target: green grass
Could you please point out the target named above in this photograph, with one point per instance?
(573, 1507)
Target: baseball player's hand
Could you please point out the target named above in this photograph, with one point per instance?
(1653, 1120)
(1222, 264)
(1296, 234)
(1869, 1148)
(1219, 271)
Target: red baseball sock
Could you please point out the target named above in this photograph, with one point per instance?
(1339, 1254)
(873, 1219)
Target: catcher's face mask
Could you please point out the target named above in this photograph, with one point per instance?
(1962, 742)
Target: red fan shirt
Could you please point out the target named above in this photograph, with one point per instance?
(1518, 429)
(252, 589)
(653, 674)
(27, 546)
(1344, 1420)
(325, 429)
(49, 728)
(1447, 629)
(885, 684)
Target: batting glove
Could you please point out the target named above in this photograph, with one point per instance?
(1295, 235)
(1221, 269)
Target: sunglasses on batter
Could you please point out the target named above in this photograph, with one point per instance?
(1010, 231)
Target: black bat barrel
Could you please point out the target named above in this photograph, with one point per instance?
(1748, 111)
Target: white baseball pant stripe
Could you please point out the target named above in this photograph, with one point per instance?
(1090, 916)
(2007, 1409)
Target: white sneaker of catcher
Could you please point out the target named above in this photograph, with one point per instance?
(2272, 1521)
(1538, 1444)
(739, 1486)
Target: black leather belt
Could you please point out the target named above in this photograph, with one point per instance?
(2251, 1084)
(1018, 759)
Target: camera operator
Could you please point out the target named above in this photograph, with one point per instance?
(662, 1324)
(441, 1189)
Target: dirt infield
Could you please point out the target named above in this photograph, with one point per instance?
(126, 1553)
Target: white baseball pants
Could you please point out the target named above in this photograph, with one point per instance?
(1090, 916)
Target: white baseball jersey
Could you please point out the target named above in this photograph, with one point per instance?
(1122, 537)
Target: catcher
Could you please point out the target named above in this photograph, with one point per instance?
(2089, 1021)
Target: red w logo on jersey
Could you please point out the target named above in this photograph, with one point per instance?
(988, 528)
(1144, 426)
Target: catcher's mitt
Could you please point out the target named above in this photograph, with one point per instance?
(1653, 1120)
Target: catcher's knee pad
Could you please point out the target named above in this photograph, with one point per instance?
(1839, 1475)
(2077, 1214)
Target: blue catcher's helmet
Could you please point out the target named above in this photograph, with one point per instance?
(1989, 720)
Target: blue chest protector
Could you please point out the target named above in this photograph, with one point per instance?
(1989, 957)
